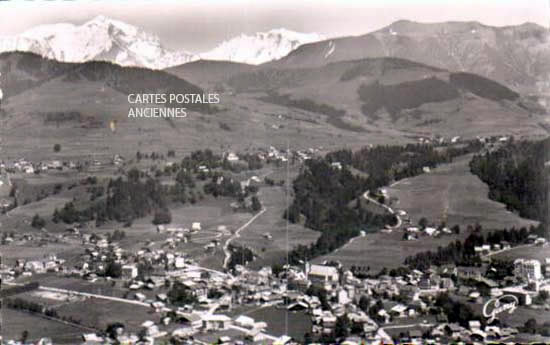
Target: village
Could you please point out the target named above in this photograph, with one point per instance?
(185, 302)
(197, 305)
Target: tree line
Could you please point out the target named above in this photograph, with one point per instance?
(517, 175)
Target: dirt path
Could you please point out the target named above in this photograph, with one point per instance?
(237, 235)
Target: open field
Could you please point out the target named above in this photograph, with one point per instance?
(453, 193)
(272, 222)
(282, 322)
(517, 318)
(10, 253)
(15, 322)
(450, 188)
(531, 252)
(101, 287)
(100, 313)
(43, 208)
(379, 250)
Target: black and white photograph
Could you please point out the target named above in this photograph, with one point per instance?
(243, 172)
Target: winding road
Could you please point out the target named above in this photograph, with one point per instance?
(389, 209)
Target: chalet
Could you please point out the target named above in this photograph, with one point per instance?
(454, 330)
(155, 282)
(469, 272)
(192, 320)
(430, 231)
(245, 322)
(447, 283)
(352, 341)
(474, 325)
(415, 336)
(179, 262)
(255, 335)
(183, 333)
(475, 296)
(410, 237)
(150, 328)
(410, 292)
(398, 310)
(129, 272)
(531, 238)
(540, 241)
(140, 297)
(336, 165)
(328, 321)
(297, 306)
(35, 267)
(427, 284)
(523, 296)
(92, 338)
(215, 322)
(232, 157)
(283, 340)
(384, 315)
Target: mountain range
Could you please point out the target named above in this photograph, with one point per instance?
(518, 56)
(106, 39)
(352, 90)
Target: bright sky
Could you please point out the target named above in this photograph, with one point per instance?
(198, 25)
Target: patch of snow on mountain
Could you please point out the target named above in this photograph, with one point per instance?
(261, 47)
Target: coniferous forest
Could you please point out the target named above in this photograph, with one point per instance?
(517, 175)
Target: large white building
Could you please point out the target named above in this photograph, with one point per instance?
(322, 273)
(528, 270)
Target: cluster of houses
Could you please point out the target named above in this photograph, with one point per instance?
(372, 304)
(412, 232)
(23, 166)
(27, 268)
(404, 297)
(438, 139)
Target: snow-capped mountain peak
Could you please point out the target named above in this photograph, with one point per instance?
(106, 39)
(100, 38)
(261, 47)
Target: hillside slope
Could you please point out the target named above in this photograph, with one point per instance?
(518, 56)
(398, 93)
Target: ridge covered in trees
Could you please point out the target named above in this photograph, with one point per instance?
(517, 175)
